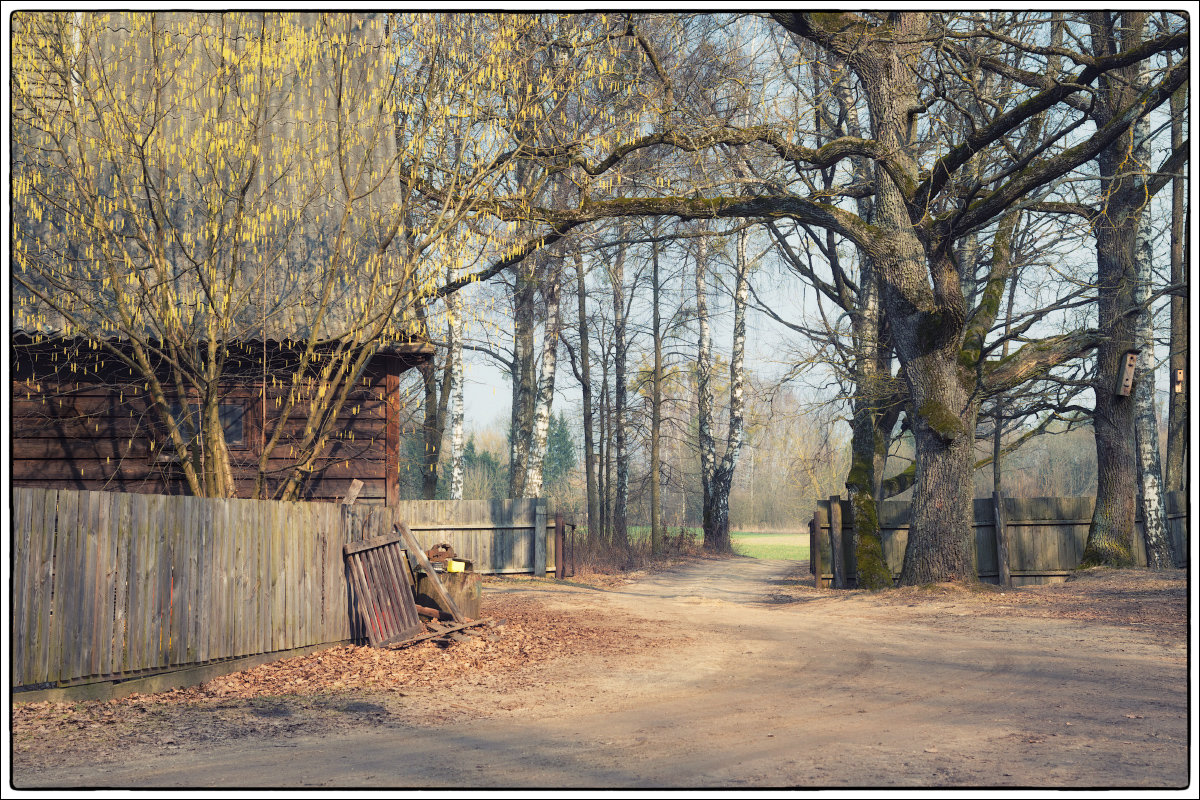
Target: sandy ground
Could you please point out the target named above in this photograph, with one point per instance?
(718, 673)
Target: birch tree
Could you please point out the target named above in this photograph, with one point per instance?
(1159, 546)
(545, 385)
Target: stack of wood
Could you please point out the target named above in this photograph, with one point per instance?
(445, 634)
(386, 591)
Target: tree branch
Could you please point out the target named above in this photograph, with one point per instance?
(1036, 358)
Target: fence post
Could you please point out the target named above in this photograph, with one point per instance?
(835, 542)
(539, 538)
(571, 544)
(814, 550)
(559, 556)
(850, 551)
(1001, 539)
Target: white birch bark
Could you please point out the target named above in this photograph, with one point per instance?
(704, 396)
(545, 392)
(737, 366)
(1159, 548)
(456, 397)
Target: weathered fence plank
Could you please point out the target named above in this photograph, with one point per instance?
(1000, 531)
(66, 547)
(204, 579)
(174, 515)
(24, 572)
(104, 590)
(109, 585)
(44, 634)
(137, 612)
(163, 577)
(539, 541)
(835, 542)
(84, 586)
(121, 583)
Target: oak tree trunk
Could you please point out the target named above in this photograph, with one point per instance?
(1177, 413)
(1110, 535)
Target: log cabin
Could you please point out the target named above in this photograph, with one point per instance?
(79, 422)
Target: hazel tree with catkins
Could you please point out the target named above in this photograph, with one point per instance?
(183, 181)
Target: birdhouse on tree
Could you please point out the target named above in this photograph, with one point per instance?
(1125, 372)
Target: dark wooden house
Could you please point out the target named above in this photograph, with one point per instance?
(77, 422)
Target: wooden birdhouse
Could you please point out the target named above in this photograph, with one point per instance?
(1125, 372)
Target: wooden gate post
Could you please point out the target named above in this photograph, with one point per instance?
(559, 554)
(835, 542)
(849, 551)
(814, 549)
(539, 538)
(1002, 567)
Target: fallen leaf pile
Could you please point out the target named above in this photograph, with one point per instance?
(502, 658)
(485, 654)
(1136, 598)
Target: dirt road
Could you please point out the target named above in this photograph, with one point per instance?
(740, 677)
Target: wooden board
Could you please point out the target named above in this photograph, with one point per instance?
(384, 597)
(439, 591)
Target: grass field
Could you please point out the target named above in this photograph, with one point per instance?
(754, 545)
(771, 545)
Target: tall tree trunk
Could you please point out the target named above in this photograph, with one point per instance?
(434, 420)
(704, 397)
(455, 326)
(605, 472)
(620, 395)
(868, 443)
(589, 444)
(922, 290)
(656, 398)
(1109, 539)
(1001, 401)
(1177, 413)
(926, 309)
(717, 537)
(1159, 548)
(545, 391)
(523, 380)
(218, 471)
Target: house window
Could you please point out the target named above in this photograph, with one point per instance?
(232, 417)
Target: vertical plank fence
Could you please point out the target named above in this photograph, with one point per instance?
(110, 586)
(1018, 540)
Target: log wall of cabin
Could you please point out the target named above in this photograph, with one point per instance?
(90, 437)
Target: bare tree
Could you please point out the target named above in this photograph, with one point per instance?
(925, 200)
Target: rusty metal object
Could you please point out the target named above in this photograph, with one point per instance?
(440, 553)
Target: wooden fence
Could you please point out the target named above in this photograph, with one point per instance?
(108, 586)
(1044, 537)
(496, 535)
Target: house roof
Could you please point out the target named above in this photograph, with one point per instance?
(418, 348)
